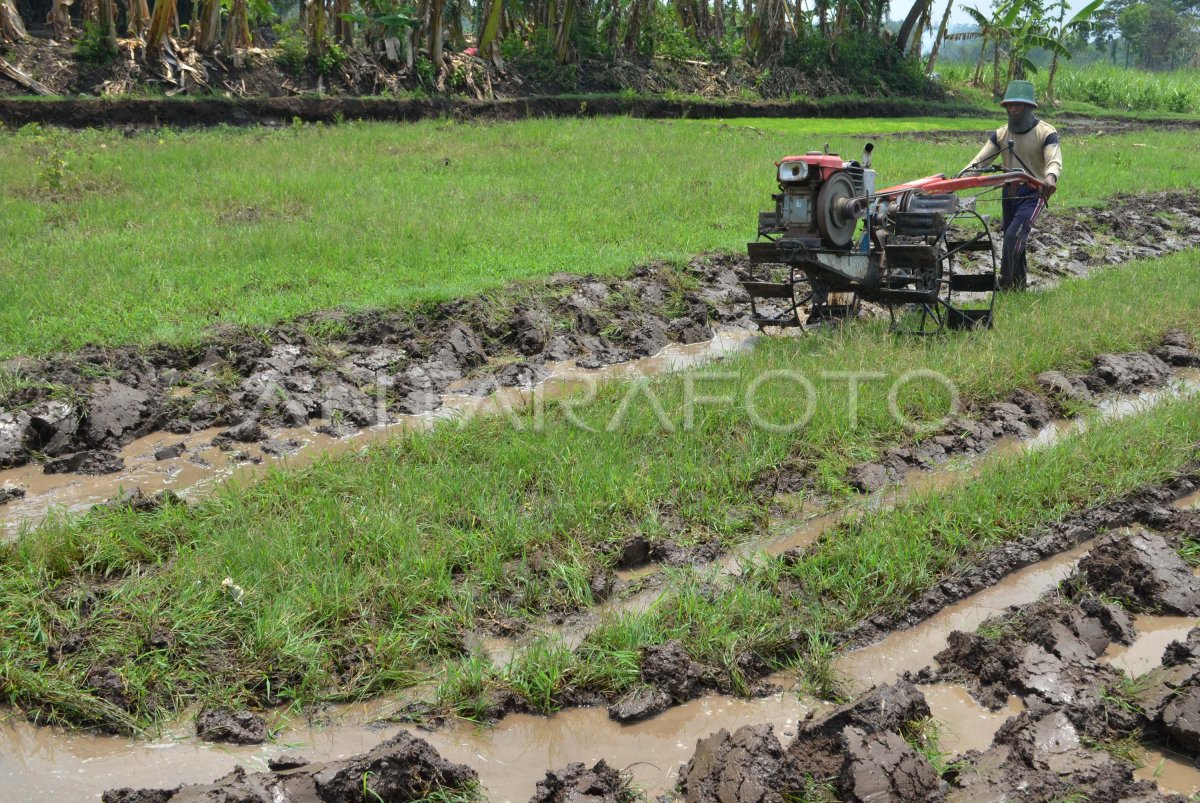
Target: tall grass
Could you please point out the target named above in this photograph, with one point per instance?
(1105, 86)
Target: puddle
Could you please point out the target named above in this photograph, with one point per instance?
(1189, 502)
(965, 724)
(1154, 633)
(1173, 772)
(913, 649)
(191, 479)
(47, 764)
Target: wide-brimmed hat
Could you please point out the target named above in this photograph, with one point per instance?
(1019, 92)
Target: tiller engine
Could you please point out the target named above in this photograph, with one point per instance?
(903, 247)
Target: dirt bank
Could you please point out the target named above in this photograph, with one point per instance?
(178, 113)
(353, 370)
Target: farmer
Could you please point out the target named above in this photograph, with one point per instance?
(1034, 148)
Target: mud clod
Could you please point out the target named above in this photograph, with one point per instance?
(1141, 569)
(170, 452)
(639, 704)
(578, 784)
(235, 727)
(670, 668)
(748, 767)
(89, 463)
(10, 492)
(287, 761)
(401, 769)
(882, 766)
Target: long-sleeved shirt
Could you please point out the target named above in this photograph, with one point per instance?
(1037, 147)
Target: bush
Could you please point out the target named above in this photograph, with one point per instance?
(292, 55)
(94, 47)
(867, 63)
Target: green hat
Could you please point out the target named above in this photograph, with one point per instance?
(1019, 92)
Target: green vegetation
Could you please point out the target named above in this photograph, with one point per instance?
(361, 573)
(879, 561)
(1097, 87)
(113, 240)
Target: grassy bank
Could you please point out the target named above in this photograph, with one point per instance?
(875, 563)
(152, 238)
(363, 572)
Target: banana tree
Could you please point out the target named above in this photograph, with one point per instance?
(206, 27)
(996, 30)
(12, 28)
(137, 14)
(162, 22)
(60, 18)
(937, 40)
(237, 27)
(1057, 34)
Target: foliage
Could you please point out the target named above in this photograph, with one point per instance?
(291, 52)
(94, 46)
(872, 66)
(292, 56)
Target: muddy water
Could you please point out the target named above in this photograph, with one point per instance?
(1188, 502)
(202, 466)
(963, 723)
(913, 649)
(1154, 633)
(1173, 772)
(46, 764)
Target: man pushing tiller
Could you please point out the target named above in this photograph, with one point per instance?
(1032, 145)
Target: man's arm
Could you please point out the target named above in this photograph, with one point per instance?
(1052, 154)
(986, 155)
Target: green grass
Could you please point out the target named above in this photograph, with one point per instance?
(786, 613)
(1100, 87)
(153, 238)
(362, 572)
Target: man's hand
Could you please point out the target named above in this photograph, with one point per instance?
(1049, 186)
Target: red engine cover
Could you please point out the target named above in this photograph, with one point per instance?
(827, 163)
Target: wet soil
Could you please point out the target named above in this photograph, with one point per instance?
(356, 370)
(403, 768)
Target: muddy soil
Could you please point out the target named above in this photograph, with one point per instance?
(355, 370)
(403, 768)
(1024, 413)
(1076, 714)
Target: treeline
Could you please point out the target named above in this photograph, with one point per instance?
(845, 35)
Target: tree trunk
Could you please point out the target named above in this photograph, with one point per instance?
(343, 29)
(937, 40)
(237, 28)
(995, 68)
(1050, 80)
(12, 27)
(107, 20)
(436, 36)
(457, 39)
(562, 39)
(206, 28)
(491, 26)
(162, 23)
(633, 31)
(915, 13)
(60, 19)
(978, 79)
(137, 14)
(914, 50)
(314, 26)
